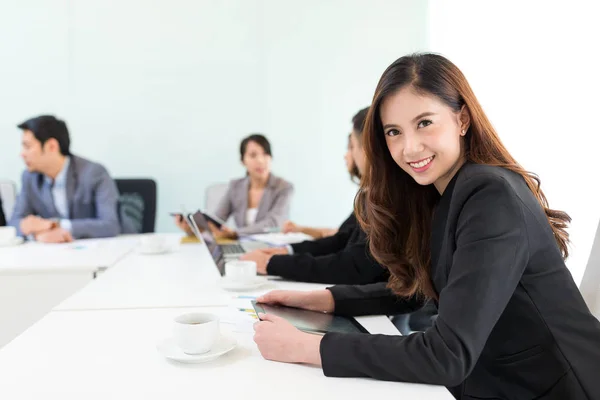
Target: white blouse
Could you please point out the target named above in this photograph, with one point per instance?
(251, 216)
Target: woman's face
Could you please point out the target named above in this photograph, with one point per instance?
(424, 136)
(358, 154)
(256, 161)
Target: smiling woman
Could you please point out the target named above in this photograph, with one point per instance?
(457, 221)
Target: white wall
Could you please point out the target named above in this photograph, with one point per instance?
(168, 88)
(534, 67)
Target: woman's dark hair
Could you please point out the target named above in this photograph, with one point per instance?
(358, 121)
(397, 212)
(260, 140)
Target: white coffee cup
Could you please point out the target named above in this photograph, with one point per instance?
(153, 242)
(240, 270)
(7, 234)
(196, 333)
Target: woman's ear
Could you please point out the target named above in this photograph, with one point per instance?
(464, 120)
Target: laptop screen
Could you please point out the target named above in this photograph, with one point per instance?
(200, 228)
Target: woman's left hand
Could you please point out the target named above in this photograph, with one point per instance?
(278, 340)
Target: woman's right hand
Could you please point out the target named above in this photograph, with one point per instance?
(316, 300)
(289, 226)
(183, 225)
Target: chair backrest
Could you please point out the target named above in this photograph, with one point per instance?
(8, 193)
(137, 205)
(590, 285)
(214, 194)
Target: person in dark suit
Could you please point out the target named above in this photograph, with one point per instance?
(319, 233)
(341, 258)
(258, 202)
(63, 196)
(2, 217)
(456, 220)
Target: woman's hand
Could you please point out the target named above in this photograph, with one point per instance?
(278, 340)
(289, 226)
(183, 225)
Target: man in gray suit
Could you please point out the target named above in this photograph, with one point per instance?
(63, 197)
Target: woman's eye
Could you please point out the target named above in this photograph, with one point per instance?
(392, 132)
(424, 123)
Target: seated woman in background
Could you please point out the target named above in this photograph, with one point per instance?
(341, 258)
(258, 201)
(457, 220)
(319, 233)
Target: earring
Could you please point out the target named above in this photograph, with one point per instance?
(464, 131)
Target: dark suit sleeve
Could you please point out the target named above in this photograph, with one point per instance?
(490, 257)
(2, 217)
(328, 245)
(373, 299)
(352, 266)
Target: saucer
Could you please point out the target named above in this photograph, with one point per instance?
(237, 285)
(153, 250)
(13, 242)
(169, 349)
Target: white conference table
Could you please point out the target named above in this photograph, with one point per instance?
(111, 354)
(39, 276)
(101, 343)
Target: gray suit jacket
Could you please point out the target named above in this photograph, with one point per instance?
(91, 193)
(273, 210)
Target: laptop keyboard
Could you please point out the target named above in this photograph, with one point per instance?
(232, 249)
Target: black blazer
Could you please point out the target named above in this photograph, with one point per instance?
(511, 324)
(331, 244)
(2, 217)
(340, 259)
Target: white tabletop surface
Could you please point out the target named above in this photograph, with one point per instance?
(112, 354)
(186, 277)
(85, 254)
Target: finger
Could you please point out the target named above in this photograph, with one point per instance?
(270, 318)
(267, 297)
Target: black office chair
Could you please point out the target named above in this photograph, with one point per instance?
(137, 205)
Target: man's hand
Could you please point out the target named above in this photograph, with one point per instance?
(56, 235)
(32, 224)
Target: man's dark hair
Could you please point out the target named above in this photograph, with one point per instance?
(47, 127)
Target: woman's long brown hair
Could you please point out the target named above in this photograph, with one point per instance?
(395, 211)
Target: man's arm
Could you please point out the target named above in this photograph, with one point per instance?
(106, 222)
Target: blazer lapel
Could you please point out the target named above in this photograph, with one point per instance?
(47, 199)
(243, 198)
(71, 186)
(439, 238)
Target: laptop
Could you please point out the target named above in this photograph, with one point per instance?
(221, 253)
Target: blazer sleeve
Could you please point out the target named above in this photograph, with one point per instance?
(490, 258)
(328, 245)
(22, 205)
(277, 214)
(352, 266)
(225, 207)
(106, 223)
(373, 299)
